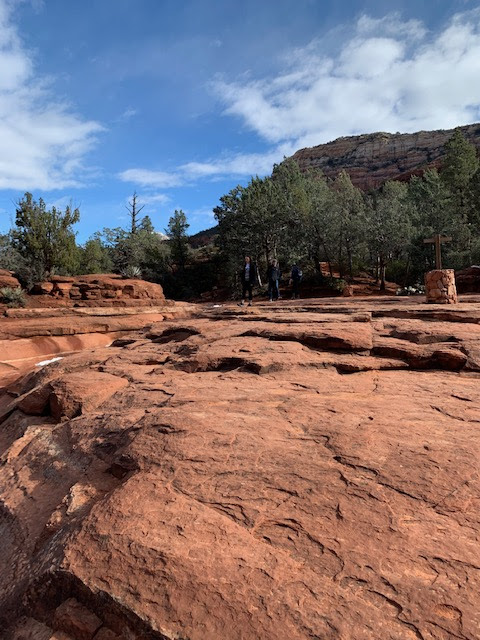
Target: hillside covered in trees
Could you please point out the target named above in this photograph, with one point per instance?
(305, 217)
(293, 215)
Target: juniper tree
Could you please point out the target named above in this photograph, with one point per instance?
(177, 234)
(45, 238)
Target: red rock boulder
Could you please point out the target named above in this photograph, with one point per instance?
(7, 279)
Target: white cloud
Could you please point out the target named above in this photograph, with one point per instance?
(389, 76)
(242, 164)
(42, 141)
(391, 25)
(153, 198)
(149, 178)
(202, 215)
(127, 114)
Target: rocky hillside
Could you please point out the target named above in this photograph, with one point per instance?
(373, 158)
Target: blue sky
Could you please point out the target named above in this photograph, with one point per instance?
(181, 100)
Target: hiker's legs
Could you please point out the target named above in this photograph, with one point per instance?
(276, 293)
(244, 292)
(296, 289)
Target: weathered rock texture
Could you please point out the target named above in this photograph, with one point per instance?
(440, 286)
(301, 471)
(373, 158)
(98, 290)
(28, 336)
(7, 279)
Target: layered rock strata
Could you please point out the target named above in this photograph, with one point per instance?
(7, 279)
(305, 470)
(371, 159)
(97, 290)
(440, 286)
(29, 336)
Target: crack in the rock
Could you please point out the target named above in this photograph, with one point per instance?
(450, 415)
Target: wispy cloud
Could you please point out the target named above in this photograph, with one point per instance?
(153, 198)
(388, 75)
(127, 114)
(227, 165)
(391, 75)
(149, 178)
(43, 142)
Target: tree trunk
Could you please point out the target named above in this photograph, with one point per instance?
(327, 258)
(350, 263)
(407, 271)
(382, 274)
(340, 256)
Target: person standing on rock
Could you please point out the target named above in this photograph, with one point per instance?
(295, 279)
(273, 276)
(248, 277)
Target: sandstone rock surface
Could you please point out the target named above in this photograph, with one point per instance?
(371, 159)
(28, 336)
(96, 289)
(7, 279)
(309, 470)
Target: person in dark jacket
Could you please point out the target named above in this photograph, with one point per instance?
(295, 279)
(248, 277)
(273, 276)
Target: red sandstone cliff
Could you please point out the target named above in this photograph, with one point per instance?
(373, 158)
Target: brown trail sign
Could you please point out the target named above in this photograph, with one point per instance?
(438, 240)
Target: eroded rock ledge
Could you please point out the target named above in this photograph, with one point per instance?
(299, 471)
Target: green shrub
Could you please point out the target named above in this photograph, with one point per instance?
(337, 284)
(131, 272)
(13, 297)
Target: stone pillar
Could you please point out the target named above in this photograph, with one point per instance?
(440, 286)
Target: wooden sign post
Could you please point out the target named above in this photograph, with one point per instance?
(438, 240)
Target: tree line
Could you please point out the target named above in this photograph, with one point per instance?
(42, 243)
(294, 217)
(305, 218)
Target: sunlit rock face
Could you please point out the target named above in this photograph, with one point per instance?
(304, 470)
(373, 158)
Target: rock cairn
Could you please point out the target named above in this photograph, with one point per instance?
(440, 286)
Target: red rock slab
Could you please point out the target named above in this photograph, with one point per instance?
(9, 281)
(76, 393)
(340, 337)
(37, 347)
(232, 503)
(12, 328)
(207, 525)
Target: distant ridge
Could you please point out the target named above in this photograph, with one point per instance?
(371, 159)
(203, 238)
